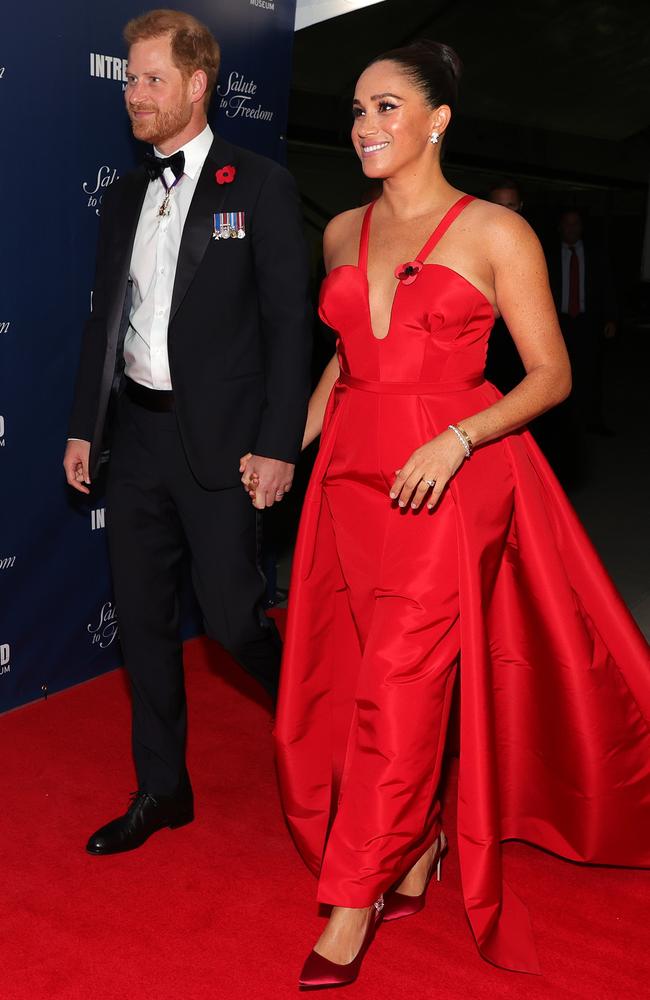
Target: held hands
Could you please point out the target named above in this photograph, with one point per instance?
(75, 463)
(266, 480)
(434, 463)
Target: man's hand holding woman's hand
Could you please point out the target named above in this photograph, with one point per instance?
(266, 480)
(427, 471)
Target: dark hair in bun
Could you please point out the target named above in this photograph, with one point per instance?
(432, 66)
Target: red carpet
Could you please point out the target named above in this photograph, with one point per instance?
(223, 908)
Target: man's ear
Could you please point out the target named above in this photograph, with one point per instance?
(198, 85)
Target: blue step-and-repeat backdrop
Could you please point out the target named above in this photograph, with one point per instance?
(64, 139)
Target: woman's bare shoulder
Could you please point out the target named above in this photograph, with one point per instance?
(499, 225)
(341, 235)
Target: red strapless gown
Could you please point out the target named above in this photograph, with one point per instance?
(554, 673)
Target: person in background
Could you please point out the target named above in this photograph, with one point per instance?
(583, 290)
(506, 192)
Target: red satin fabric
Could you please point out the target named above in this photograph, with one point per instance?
(554, 673)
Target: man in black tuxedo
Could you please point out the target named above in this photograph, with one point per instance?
(196, 353)
(582, 286)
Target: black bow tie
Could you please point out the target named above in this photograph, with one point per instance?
(156, 164)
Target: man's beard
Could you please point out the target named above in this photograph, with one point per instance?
(162, 125)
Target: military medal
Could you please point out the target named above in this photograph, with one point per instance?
(229, 226)
(166, 208)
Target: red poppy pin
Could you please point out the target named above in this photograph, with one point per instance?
(225, 175)
(407, 273)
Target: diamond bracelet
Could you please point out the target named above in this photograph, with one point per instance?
(464, 439)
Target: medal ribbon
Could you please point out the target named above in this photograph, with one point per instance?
(228, 225)
(162, 211)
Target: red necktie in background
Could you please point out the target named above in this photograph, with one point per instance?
(574, 284)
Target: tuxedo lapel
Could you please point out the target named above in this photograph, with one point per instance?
(117, 263)
(125, 225)
(209, 198)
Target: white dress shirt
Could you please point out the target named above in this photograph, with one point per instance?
(566, 270)
(153, 267)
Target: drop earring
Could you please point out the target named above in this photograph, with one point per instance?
(434, 137)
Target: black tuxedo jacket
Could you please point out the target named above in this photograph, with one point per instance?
(600, 301)
(239, 336)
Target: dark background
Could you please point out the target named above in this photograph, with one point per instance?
(555, 95)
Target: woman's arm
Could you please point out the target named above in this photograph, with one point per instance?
(315, 415)
(336, 233)
(318, 402)
(526, 305)
(339, 232)
(525, 302)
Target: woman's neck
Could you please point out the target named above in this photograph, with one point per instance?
(415, 192)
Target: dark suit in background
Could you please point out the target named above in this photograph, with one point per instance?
(583, 321)
(584, 333)
(239, 349)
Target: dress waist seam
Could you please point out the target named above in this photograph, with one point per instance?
(410, 388)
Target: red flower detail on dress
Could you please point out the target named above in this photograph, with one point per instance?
(407, 273)
(225, 175)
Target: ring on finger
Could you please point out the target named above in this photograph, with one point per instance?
(430, 483)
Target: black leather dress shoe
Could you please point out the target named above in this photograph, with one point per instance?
(146, 814)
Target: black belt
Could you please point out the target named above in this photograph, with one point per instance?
(156, 400)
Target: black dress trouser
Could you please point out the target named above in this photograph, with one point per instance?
(156, 511)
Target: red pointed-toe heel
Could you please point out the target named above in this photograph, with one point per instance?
(318, 972)
(397, 904)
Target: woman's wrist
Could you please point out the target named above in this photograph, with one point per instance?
(463, 438)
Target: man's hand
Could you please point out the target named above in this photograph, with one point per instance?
(75, 463)
(265, 479)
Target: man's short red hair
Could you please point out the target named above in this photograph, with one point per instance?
(193, 44)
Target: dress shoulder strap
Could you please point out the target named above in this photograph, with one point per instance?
(365, 238)
(450, 216)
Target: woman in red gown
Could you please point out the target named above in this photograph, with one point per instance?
(434, 540)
